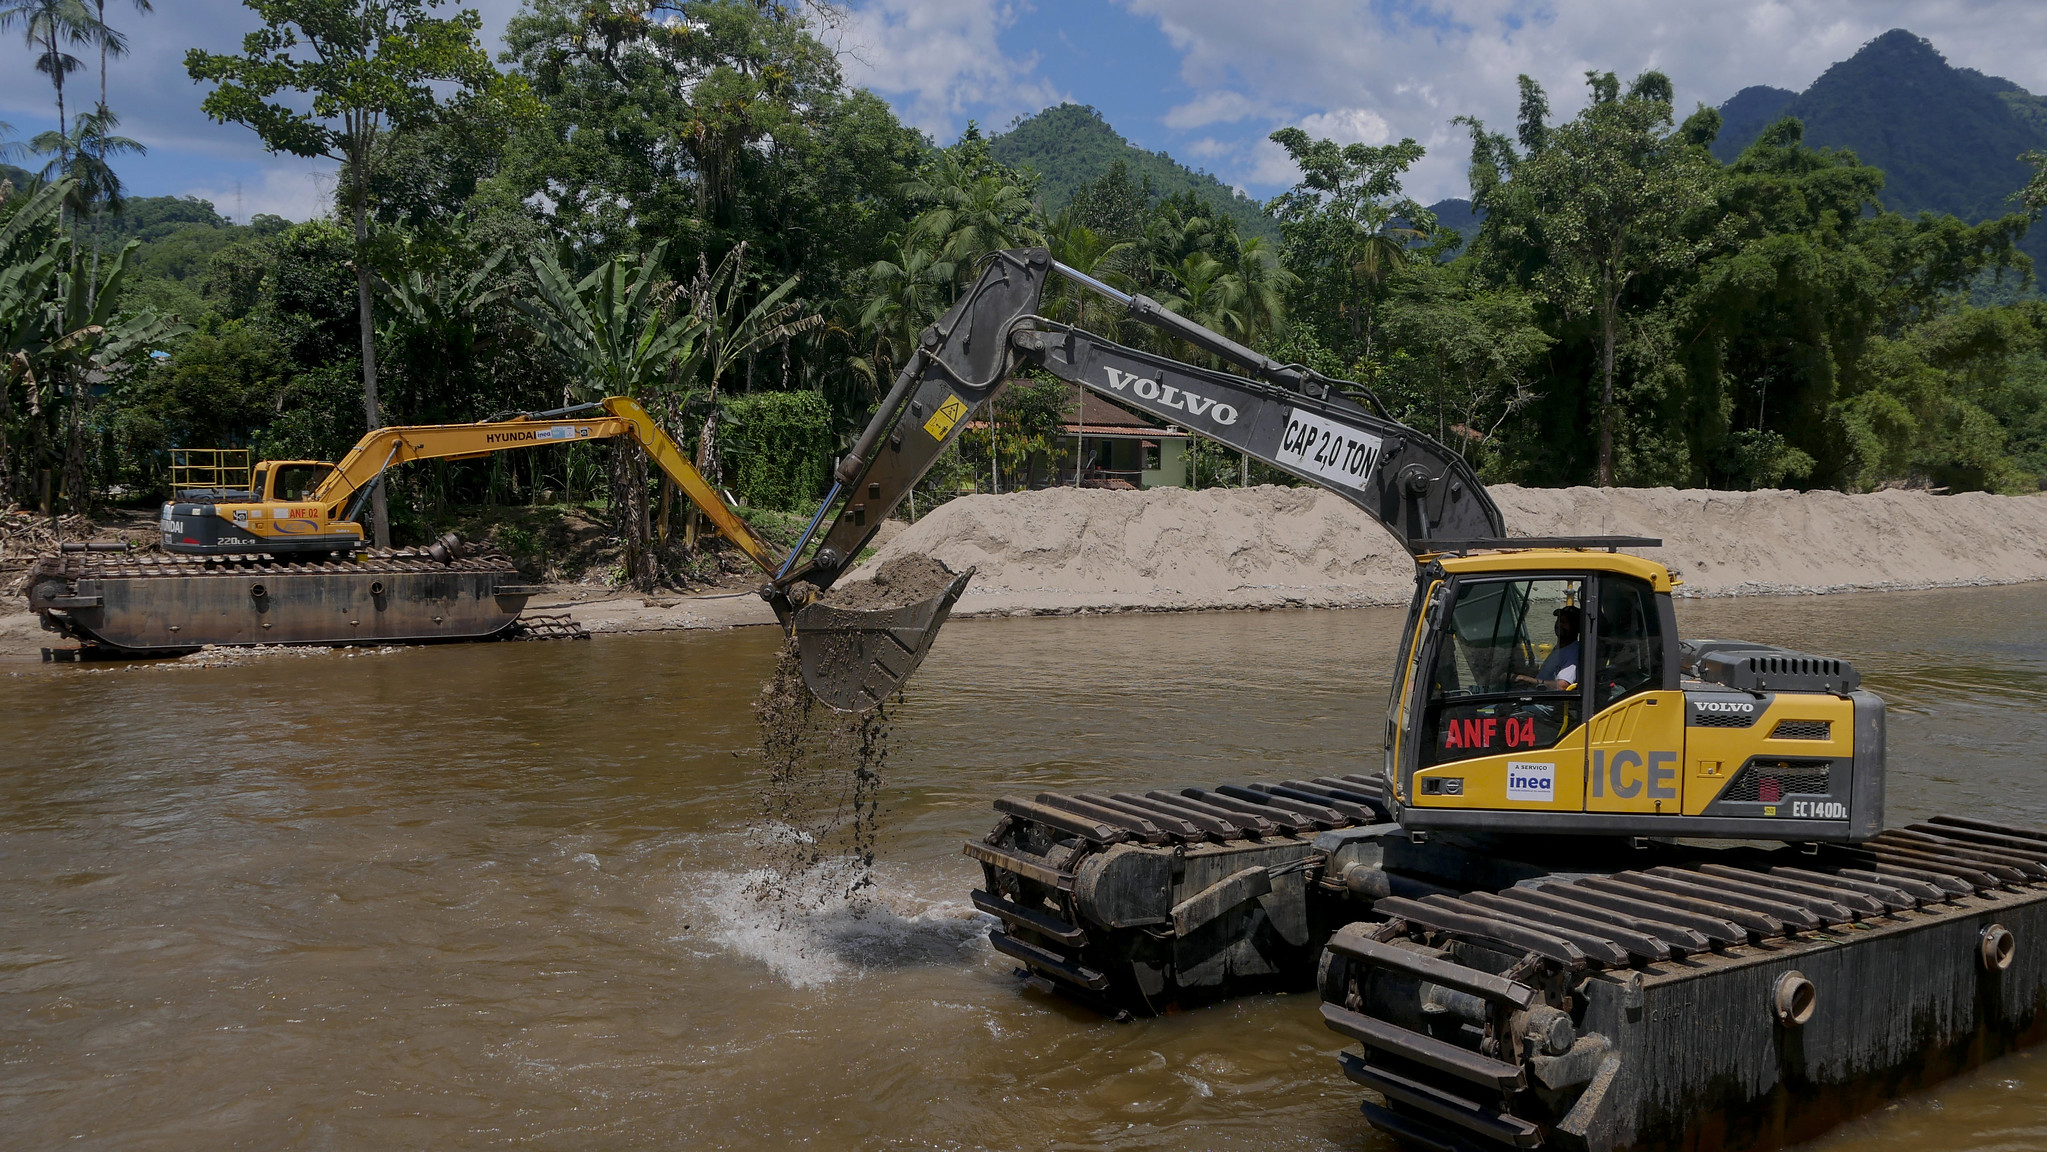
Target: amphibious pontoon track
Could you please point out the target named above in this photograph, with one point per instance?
(1521, 994)
(1745, 999)
(150, 603)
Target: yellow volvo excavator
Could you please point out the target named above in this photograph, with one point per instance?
(1541, 683)
(1547, 911)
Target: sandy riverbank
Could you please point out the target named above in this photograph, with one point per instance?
(1063, 551)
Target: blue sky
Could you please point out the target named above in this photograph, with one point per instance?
(1206, 80)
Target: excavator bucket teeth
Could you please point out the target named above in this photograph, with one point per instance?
(853, 660)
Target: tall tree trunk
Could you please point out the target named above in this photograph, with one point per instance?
(707, 441)
(1608, 306)
(63, 137)
(629, 513)
(643, 521)
(7, 496)
(77, 485)
(380, 517)
(92, 286)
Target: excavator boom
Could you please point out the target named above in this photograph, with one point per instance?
(322, 520)
(1284, 415)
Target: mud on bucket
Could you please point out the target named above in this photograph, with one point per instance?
(858, 645)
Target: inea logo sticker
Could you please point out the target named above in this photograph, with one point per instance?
(1527, 780)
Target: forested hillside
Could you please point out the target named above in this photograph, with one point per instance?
(1947, 139)
(1070, 146)
(703, 215)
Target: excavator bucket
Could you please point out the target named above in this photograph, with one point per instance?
(853, 659)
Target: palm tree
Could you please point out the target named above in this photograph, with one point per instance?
(972, 212)
(1255, 286)
(89, 144)
(619, 329)
(45, 25)
(1088, 251)
(1200, 290)
(1095, 254)
(1377, 246)
(111, 43)
(904, 296)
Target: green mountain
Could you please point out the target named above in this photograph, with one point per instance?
(1070, 146)
(1745, 115)
(1947, 138)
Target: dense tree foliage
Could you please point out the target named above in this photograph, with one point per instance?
(682, 200)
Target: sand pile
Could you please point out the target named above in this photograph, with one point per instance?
(1168, 549)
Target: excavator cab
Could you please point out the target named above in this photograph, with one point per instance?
(1502, 722)
(281, 513)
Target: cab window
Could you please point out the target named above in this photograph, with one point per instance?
(297, 482)
(1629, 641)
(1506, 671)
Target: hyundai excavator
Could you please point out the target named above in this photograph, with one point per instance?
(283, 561)
(1603, 888)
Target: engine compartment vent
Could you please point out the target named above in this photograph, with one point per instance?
(1752, 667)
(1769, 782)
(1803, 730)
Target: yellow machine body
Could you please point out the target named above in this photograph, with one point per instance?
(1634, 738)
(310, 506)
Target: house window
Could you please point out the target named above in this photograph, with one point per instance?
(1151, 455)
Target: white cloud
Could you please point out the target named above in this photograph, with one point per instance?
(159, 104)
(1349, 126)
(935, 59)
(1222, 107)
(1415, 65)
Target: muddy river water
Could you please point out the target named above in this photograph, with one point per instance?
(495, 895)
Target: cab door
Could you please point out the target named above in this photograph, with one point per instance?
(1493, 731)
(1635, 753)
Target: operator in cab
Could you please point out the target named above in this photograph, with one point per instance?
(1560, 668)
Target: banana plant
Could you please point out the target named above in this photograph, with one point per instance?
(616, 327)
(30, 251)
(61, 327)
(730, 337)
(621, 333)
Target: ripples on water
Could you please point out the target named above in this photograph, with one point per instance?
(496, 894)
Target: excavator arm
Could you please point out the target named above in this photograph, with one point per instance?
(323, 518)
(1288, 416)
(366, 463)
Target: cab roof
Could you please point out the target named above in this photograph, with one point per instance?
(1541, 560)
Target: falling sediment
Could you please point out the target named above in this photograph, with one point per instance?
(821, 799)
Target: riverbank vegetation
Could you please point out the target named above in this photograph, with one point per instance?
(683, 201)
